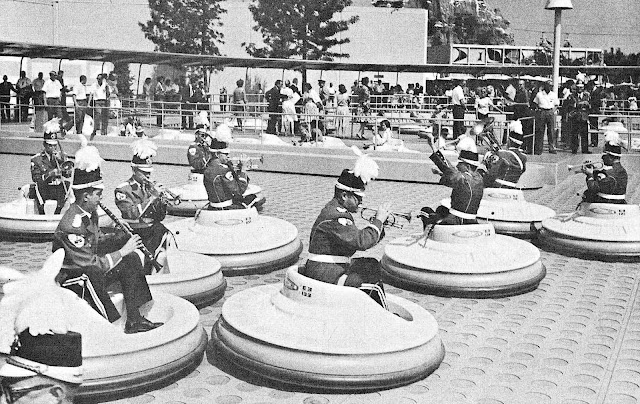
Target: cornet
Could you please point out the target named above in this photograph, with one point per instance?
(576, 169)
(369, 215)
(163, 193)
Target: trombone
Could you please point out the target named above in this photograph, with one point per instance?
(578, 168)
(369, 215)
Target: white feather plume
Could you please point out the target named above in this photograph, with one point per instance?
(35, 302)
(87, 126)
(223, 133)
(202, 119)
(581, 77)
(52, 126)
(87, 157)
(365, 168)
(516, 126)
(612, 137)
(144, 148)
(467, 143)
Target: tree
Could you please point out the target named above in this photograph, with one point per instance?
(125, 80)
(299, 28)
(468, 22)
(185, 26)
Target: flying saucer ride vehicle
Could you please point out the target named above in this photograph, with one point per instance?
(321, 336)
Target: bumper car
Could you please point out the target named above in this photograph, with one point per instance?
(597, 230)
(463, 261)
(509, 213)
(19, 219)
(193, 196)
(320, 336)
(243, 241)
(533, 178)
(194, 277)
(118, 364)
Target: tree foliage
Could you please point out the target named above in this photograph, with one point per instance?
(185, 26)
(299, 28)
(125, 80)
(618, 58)
(468, 22)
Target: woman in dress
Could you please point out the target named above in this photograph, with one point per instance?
(239, 99)
(342, 111)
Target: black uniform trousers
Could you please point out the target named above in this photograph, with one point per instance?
(151, 238)
(50, 193)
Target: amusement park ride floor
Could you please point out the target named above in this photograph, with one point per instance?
(576, 339)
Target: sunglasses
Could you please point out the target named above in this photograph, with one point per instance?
(13, 394)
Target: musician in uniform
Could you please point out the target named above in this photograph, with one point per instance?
(141, 203)
(49, 169)
(467, 186)
(225, 184)
(504, 167)
(335, 238)
(198, 153)
(94, 260)
(578, 105)
(608, 185)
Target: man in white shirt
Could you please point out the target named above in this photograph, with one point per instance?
(546, 101)
(80, 102)
(52, 91)
(458, 100)
(99, 94)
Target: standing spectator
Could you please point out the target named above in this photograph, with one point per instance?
(63, 97)
(289, 116)
(199, 98)
(578, 113)
(5, 98)
(546, 102)
(239, 99)
(323, 92)
(522, 112)
(332, 96)
(159, 96)
(483, 104)
(312, 104)
(224, 99)
(38, 93)
(99, 95)
(147, 93)
(25, 91)
(79, 93)
(52, 91)
(186, 114)
(597, 95)
(458, 100)
(114, 99)
(274, 103)
(364, 105)
(342, 111)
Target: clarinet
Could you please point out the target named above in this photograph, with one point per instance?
(125, 228)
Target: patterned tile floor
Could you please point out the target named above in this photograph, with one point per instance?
(576, 339)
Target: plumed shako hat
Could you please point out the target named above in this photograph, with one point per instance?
(143, 150)
(364, 170)
(87, 167)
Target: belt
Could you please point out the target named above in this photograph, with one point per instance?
(329, 259)
(224, 204)
(609, 196)
(546, 109)
(461, 215)
(507, 183)
(144, 220)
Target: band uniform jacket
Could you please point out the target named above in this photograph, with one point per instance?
(610, 182)
(505, 168)
(43, 169)
(80, 236)
(467, 185)
(132, 198)
(335, 234)
(221, 184)
(198, 155)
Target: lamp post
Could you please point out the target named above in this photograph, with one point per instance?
(557, 6)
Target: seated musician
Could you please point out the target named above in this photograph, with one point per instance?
(94, 260)
(225, 184)
(504, 167)
(141, 203)
(198, 153)
(608, 185)
(50, 168)
(467, 186)
(335, 238)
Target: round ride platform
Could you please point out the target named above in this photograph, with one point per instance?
(597, 230)
(243, 241)
(533, 177)
(463, 261)
(316, 335)
(510, 213)
(193, 196)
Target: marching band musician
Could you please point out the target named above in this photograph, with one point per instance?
(504, 167)
(94, 260)
(140, 201)
(335, 238)
(466, 182)
(224, 184)
(608, 185)
(198, 153)
(48, 169)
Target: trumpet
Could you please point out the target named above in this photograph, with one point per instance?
(369, 215)
(158, 190)
(578, 168)
(246, 162)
